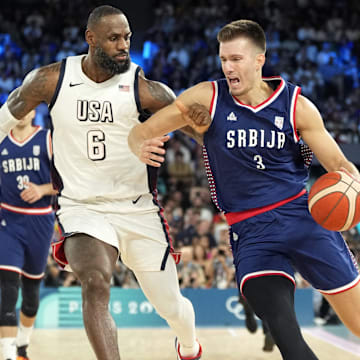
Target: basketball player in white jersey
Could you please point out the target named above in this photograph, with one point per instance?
(107, 197)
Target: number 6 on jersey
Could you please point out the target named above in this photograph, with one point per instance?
(96, 145)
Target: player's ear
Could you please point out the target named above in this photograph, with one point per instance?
(90, 37)
(260, 61)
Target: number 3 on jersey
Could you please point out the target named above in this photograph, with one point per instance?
(259, 162)
(96, 145)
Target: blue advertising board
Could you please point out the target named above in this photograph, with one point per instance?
(61, 308)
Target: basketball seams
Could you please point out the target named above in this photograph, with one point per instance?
(334, 201)
(352, 207)
(313, 198)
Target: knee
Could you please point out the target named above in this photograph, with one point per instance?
(171, 310)
(30, 292)
(270, 296)
(9, 295)
(95, 283)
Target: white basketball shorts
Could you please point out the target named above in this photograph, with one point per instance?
(141, 237)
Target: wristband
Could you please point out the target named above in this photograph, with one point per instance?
(7, 121)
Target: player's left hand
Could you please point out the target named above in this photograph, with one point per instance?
(354, 176)
(152, 151)
(32, 193)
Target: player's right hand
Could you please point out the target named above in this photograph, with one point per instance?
(196, 115)
(152, 151)
(32, 193)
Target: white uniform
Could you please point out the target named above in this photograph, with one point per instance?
(106, 191)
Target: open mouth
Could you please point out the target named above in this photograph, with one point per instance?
(234, 81)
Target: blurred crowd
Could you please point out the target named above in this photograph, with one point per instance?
(311, 43)
(315, 45)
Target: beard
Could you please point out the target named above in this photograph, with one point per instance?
(109, 64)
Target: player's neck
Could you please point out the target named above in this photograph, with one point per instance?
(259, 93)
(21, 133)
(94, 71)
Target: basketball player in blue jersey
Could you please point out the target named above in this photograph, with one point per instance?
(26, 230)
(257, 163)
(107, 200)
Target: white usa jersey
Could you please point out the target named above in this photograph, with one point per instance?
(91, 122)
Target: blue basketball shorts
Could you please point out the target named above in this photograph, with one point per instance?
(286, 240)
(25, 242)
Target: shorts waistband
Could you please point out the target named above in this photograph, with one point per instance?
(235, 217)
(28, 211)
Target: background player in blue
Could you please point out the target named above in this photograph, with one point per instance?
(26, 229)
(258, 166)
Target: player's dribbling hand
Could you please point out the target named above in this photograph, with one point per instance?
(32, 193)
(196, 115)
(354, 176)
(152, 151)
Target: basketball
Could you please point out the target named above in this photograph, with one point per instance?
(334, 201)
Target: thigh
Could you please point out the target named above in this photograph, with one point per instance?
(322, 257)
(85, 253)
(143, 239)
(259, 248)
(40, 230)
(347, 306)
(76, 218)
(11, 250)
(160, 287)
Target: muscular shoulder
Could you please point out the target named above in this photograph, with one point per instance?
(38, 86)
(42, 81)
(154, 95)
(307, 115)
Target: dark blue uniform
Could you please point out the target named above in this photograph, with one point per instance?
(26, 229)
(257, 168)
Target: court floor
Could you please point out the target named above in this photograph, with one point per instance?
(158, 344)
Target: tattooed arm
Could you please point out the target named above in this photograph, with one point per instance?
(155, 95)
(38, 86)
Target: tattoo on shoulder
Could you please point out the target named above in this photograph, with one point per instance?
(38, 86)
(43, 79)
(160, 92)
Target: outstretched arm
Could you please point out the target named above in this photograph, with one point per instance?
(191, 108)
(311, 128)
(155, 95)
(38, 86)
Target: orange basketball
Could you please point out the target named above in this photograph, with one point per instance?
(334, 201)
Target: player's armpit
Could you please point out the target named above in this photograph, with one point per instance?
(154, 95)
(311, 128)
(38, 86)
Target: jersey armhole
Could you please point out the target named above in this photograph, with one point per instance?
(58, 85)
(143, 114)
(48, 144)
(214, 99)
(294, 99)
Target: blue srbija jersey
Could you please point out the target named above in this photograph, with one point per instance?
(253, 155)
(22, 162)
